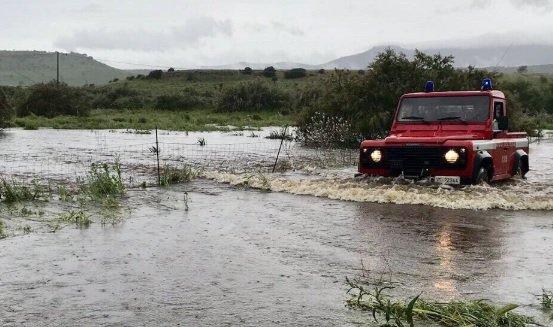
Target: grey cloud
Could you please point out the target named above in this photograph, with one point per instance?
(276, 26)
(546, 5)
(286, 28)
(177, 37)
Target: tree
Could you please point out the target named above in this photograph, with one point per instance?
(522, 69)
(155, 74)
(247, 71)
(6, 110)
(171, 70)
(295, 73)
(365, 103)
(269, 71)
(54, 99)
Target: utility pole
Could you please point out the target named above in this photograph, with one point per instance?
(57, 67)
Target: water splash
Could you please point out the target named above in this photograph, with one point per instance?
(516, 196)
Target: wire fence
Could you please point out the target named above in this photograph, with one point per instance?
(139, 161)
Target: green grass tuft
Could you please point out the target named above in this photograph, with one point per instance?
(372, 297)
(2, 228)
(78, 218)
(104, 180)
(12, 192)
(173, 175)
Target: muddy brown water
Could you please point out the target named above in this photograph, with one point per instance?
(250, 257)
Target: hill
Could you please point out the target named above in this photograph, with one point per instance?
(538, 56)
(30, 67)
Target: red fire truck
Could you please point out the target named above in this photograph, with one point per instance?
(458, 137)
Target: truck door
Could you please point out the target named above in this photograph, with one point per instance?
(502, 151)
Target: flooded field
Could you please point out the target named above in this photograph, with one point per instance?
(242, 255)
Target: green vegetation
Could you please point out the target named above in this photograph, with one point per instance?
(251, 96)
(104, 181)
(7, 112)
(2, 232)
(372, 297)
(78, 218)
(12, 192)
(53, 99)
(175, 175)
(295, 73)
(344, 106)
(546, 300)
(148, 119)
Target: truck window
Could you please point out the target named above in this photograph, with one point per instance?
(498, 110)
(462, 108)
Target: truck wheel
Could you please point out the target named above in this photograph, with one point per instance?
(519, 170)
(482, 176)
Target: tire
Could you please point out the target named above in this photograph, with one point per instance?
(518, 171)
(482, 176)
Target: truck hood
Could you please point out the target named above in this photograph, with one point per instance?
(438, 139)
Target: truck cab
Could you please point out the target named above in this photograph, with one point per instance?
(454, 137)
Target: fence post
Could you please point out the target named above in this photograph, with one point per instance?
(280, 147)
(157, 154)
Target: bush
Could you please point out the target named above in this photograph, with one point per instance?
(269, 71)
(6, 110)
(295, 73)
(366, 102)
(251, 96)
(247, 71)
(103, 181)
(155, 74)
(53, 99)
(188, 99)
(121, 97)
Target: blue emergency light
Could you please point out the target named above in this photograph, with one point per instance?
(487, 84)
(429, 86)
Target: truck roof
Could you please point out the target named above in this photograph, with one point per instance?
(492, 93)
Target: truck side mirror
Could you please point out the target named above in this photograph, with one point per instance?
(503, 123)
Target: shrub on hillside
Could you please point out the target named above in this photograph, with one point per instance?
(187, 99)
(247, 71)
(155, 74)
(251, 96)
(121, 97)
(269, 71)
(295, 73)
(53, 99)
(6, 110)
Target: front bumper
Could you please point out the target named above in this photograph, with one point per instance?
(415, 162)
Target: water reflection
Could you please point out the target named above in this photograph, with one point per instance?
(443, 252)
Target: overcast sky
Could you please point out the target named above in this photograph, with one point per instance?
(187, 34)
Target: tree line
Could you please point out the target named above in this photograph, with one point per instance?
(344, 106)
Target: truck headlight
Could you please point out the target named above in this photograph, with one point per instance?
(376, 155)
(451, 156)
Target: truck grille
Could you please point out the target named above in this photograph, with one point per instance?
(411, 160)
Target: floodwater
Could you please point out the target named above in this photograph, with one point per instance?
(246, 256)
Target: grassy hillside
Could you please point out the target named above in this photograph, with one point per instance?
(31, 67)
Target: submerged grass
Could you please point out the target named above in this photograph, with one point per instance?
(104, 181)
(175, 175)
(371, 296)
(77, 217)
(12, 191)
(2, 232)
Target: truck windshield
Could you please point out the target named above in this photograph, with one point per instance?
(461, 109)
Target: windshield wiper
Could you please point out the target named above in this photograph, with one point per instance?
(452, 118)
(413, 118)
